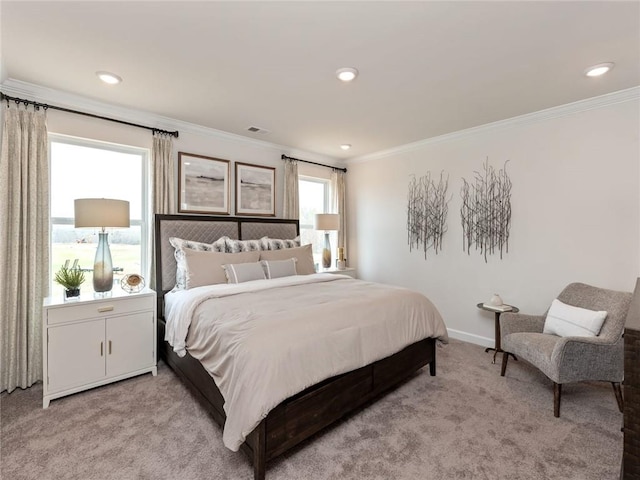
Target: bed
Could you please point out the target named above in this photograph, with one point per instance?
(304, 413)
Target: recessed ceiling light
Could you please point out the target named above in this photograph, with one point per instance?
(108, 77)
(346, 74)
(345, 146)
(597, 70)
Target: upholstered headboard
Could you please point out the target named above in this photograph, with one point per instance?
(207, 229)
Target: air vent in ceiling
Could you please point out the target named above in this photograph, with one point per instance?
(254, 129)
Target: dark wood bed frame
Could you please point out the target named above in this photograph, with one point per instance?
(304, 414)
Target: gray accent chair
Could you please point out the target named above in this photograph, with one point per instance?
(572, 359)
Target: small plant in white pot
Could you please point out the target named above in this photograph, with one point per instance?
(70, 279)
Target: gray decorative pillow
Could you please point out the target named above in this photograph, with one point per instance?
(303, 256)
(279, 268)
(235, 246)
(180, 244)
(243, 272)
(278, 243)
(205, 268)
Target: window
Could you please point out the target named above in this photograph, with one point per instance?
(82, 168)
(314, 196)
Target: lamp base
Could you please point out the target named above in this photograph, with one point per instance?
(103, 266)
(326, 252)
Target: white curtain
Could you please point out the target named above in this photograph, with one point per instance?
(163, 184)
(291, 208)
(338, 205)
(164, 178)
(24, 245)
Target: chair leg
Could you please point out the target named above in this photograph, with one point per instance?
(618, 391)
(557, 393)
(505, 359)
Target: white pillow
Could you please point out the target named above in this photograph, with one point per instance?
(243, 272)
(568, 321)
(279, 268)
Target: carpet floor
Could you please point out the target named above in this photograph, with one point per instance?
(465, 423)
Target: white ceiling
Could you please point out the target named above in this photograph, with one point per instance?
(426, 68)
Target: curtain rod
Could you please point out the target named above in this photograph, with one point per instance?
(286, 157)
(68, 110)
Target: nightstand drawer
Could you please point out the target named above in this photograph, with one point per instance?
(99, 309)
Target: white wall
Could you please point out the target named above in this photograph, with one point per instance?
(575, 215)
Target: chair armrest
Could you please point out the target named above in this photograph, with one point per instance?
(589, 358)
(520, 322)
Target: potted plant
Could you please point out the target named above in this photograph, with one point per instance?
(70, 279)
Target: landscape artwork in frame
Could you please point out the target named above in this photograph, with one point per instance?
(255, 190)
(204, 184)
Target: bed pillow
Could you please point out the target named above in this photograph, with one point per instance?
(279, 268)
(180, 244)
(278, 243)
(303, 256)
(243, 272)
(205, 268)
(568, 321)
(235, 246)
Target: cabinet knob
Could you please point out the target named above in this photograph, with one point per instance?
(108, 308)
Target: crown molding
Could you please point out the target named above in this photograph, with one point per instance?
(40, 94)
(621, 96)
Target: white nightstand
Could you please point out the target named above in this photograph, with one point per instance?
(95, 341)
(347, 271)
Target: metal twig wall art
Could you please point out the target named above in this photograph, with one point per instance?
(486, 211)
(427, 212)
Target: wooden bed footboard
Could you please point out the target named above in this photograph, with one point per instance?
(306, 413)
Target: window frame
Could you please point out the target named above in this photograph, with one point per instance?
(144, 222)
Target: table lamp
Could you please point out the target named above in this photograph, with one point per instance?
(102, 213)
(327, 222)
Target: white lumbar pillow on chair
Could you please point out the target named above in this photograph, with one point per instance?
(568, 321)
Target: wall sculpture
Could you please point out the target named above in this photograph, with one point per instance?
(486, 211)
(427, 212)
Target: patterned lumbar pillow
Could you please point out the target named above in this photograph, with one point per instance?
(569, 321)
(278, 243)
(235, 246)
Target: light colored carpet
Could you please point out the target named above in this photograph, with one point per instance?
(466, 423)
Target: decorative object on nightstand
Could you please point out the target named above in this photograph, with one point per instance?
(103, 213)
(497, 310)
(132, 283)
(70, 279)
(496, 300)
(329, 222)
(342, 262)
(93, 342)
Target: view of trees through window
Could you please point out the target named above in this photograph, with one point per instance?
(90, 169)
(314, 198)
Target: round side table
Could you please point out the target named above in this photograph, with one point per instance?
(497, 313)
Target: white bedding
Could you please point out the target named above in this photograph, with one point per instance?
(266, 340)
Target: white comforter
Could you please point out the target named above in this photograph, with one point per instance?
(266, 340)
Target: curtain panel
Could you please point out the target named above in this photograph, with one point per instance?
(291, 207)
(24, 245)
(338, 205)
(163, 184)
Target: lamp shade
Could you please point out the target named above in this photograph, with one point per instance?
(101, 212)
(327, 221)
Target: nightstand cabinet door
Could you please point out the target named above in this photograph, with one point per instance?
(130, 343)
(76, 355)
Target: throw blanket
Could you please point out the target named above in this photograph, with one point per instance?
(266, 340)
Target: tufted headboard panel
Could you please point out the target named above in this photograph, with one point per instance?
(207, 229)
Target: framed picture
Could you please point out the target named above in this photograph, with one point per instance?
(255, 190)
(204, 184)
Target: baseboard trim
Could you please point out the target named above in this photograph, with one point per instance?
(470, 337)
